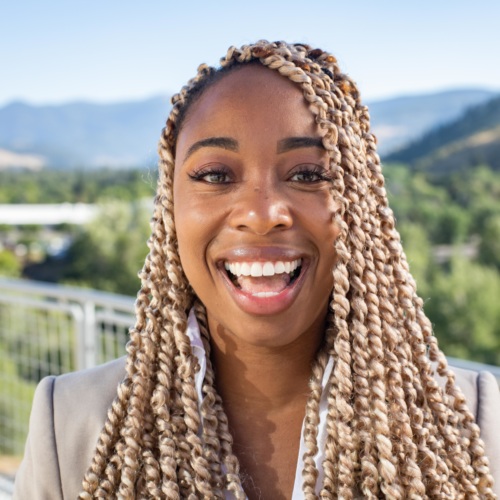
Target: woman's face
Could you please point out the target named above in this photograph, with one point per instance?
(253, 209)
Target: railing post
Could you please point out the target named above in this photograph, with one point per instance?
(89, 334)
(79, 352)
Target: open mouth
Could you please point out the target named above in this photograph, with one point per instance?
(263, 279)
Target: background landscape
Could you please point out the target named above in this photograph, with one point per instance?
(441, 156)
(85, 91)
(124, 135)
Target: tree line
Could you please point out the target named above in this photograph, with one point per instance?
(75, 186)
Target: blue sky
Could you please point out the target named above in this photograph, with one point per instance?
(56, 51)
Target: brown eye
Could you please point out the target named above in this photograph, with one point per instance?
(306, 177)
(309, 175)
(215, 175)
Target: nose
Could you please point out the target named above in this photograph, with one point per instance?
(261, 210)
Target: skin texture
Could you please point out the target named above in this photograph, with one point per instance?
(257, 196)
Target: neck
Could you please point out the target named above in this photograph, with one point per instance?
(263, 378)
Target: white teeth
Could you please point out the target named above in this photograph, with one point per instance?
(257, 269)
(244, 270)
(279, 267)
(265, 294)
(268, 269)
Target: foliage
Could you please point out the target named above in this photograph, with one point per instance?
(54, 186)
(108, 253)
(418, 251)
(489, 248)
(15, 408)
(451, 213)
(10, 266)
(463, 306)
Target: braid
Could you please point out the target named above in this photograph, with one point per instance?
(391, 431)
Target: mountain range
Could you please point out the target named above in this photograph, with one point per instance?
(471, 140)
(401, 120)
(89, 135)
(82, 134)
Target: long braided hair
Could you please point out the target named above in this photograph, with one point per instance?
(391, 430)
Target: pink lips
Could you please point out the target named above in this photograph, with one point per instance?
(257, 304)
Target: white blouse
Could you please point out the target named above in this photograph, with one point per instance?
(194, 335)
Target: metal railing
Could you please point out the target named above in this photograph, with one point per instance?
(51, 329)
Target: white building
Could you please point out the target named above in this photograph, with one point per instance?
(46, 215)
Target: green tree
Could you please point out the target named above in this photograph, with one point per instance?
(418, 251)
(489, 247)
(451, 225)
(110, 251)
(9, 264)
(463, 306)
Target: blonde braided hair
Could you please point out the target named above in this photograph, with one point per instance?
(391, 430)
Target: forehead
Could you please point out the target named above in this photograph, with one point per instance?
(254, 92)
(243, 80)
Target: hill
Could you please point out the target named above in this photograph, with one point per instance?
(471, 140)
(396, 122)
(82, 134)
(90, 135)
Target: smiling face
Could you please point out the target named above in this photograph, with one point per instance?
(253, 209)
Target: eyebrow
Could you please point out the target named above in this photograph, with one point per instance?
(284, 145)
(213, 142)
(291, 143)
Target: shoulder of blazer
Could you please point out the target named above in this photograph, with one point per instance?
(81, 403)
(475, 385)
(488, 419)
(482, 394)
(67, 417)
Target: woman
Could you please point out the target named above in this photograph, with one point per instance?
(280, 349)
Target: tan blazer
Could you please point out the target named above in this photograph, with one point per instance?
(69, 412)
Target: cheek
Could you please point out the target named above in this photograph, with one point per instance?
(194, 224)
(194, 219)
(187, 232)
(321, 215)
(191, 254)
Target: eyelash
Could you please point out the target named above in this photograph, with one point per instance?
(201, 175)
(321, 173)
